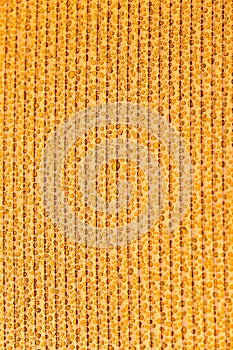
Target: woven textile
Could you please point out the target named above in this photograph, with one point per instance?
(116, 174)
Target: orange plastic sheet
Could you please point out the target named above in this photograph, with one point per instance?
(116, 174)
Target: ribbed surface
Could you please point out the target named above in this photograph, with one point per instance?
(171, 286)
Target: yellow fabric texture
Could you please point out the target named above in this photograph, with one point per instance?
(116, 174)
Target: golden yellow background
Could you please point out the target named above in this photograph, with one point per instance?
(164, 291)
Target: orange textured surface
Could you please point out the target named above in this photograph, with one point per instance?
(116, 174)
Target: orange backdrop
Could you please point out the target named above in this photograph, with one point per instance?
(168, 288)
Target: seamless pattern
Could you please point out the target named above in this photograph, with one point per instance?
(116, 174)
